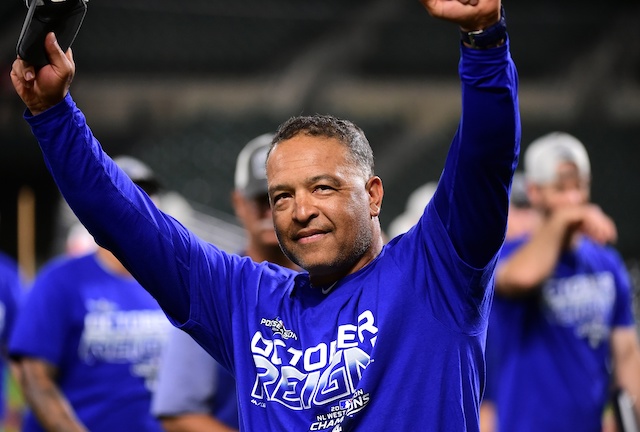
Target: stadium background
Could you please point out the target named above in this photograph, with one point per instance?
(183, 85)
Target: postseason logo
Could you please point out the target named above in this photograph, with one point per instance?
(277, 327)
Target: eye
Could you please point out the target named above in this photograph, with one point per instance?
(279, 197)
(323, 188)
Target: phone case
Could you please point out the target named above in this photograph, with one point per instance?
(63, 17)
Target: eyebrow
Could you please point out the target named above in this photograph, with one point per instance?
(309, 181)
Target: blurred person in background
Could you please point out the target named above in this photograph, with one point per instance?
(414, 207)
(522, 217)
(521, 221)
(88, 340)
(370, 336)
(562, 314)
(11, 295)
(195, 393)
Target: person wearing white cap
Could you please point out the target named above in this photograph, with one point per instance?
(562, 311)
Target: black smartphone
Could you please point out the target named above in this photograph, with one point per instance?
(63, 17)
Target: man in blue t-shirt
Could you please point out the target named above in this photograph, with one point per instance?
(370, 336)
(562, 313)
(87, 342)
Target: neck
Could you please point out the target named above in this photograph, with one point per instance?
(271, 254)
(321, 279)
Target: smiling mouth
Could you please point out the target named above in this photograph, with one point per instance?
(310, 238)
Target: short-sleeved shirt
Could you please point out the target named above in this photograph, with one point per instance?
(548, 353)
(103, 333)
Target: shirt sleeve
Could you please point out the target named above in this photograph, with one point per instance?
(623, 309)
(472, 197)
(11, 293)
(194, 282)
(119, 215)
(45, 319)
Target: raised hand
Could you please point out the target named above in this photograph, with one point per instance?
(468, 14)
(44, 88)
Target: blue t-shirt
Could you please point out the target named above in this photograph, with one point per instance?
(398, 345)
(103, 333)
(191, 381)
(548, 353)
(11, 293)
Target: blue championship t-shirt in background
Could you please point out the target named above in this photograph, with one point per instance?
(548, 353)
(396, 346)
(103, 333)
(11, 295)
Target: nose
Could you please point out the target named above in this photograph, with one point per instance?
(304, 208)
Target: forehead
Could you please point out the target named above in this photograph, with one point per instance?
(304, 156)
(305, 149)
(568, 171)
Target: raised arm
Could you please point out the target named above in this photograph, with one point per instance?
(470, 15)
(473, 192)
(118, 214)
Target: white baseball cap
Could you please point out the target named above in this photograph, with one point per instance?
(542, 157)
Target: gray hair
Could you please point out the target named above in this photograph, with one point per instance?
(345, 131)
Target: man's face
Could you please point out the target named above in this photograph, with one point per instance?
(322, 206)
(568, 189)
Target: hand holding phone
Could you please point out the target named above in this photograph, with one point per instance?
(62, 17)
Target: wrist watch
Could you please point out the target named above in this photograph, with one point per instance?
(488, 38)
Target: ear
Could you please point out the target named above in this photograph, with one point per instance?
(376, 192)
(534, 194)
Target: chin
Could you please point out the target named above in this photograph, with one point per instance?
(310, 263)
